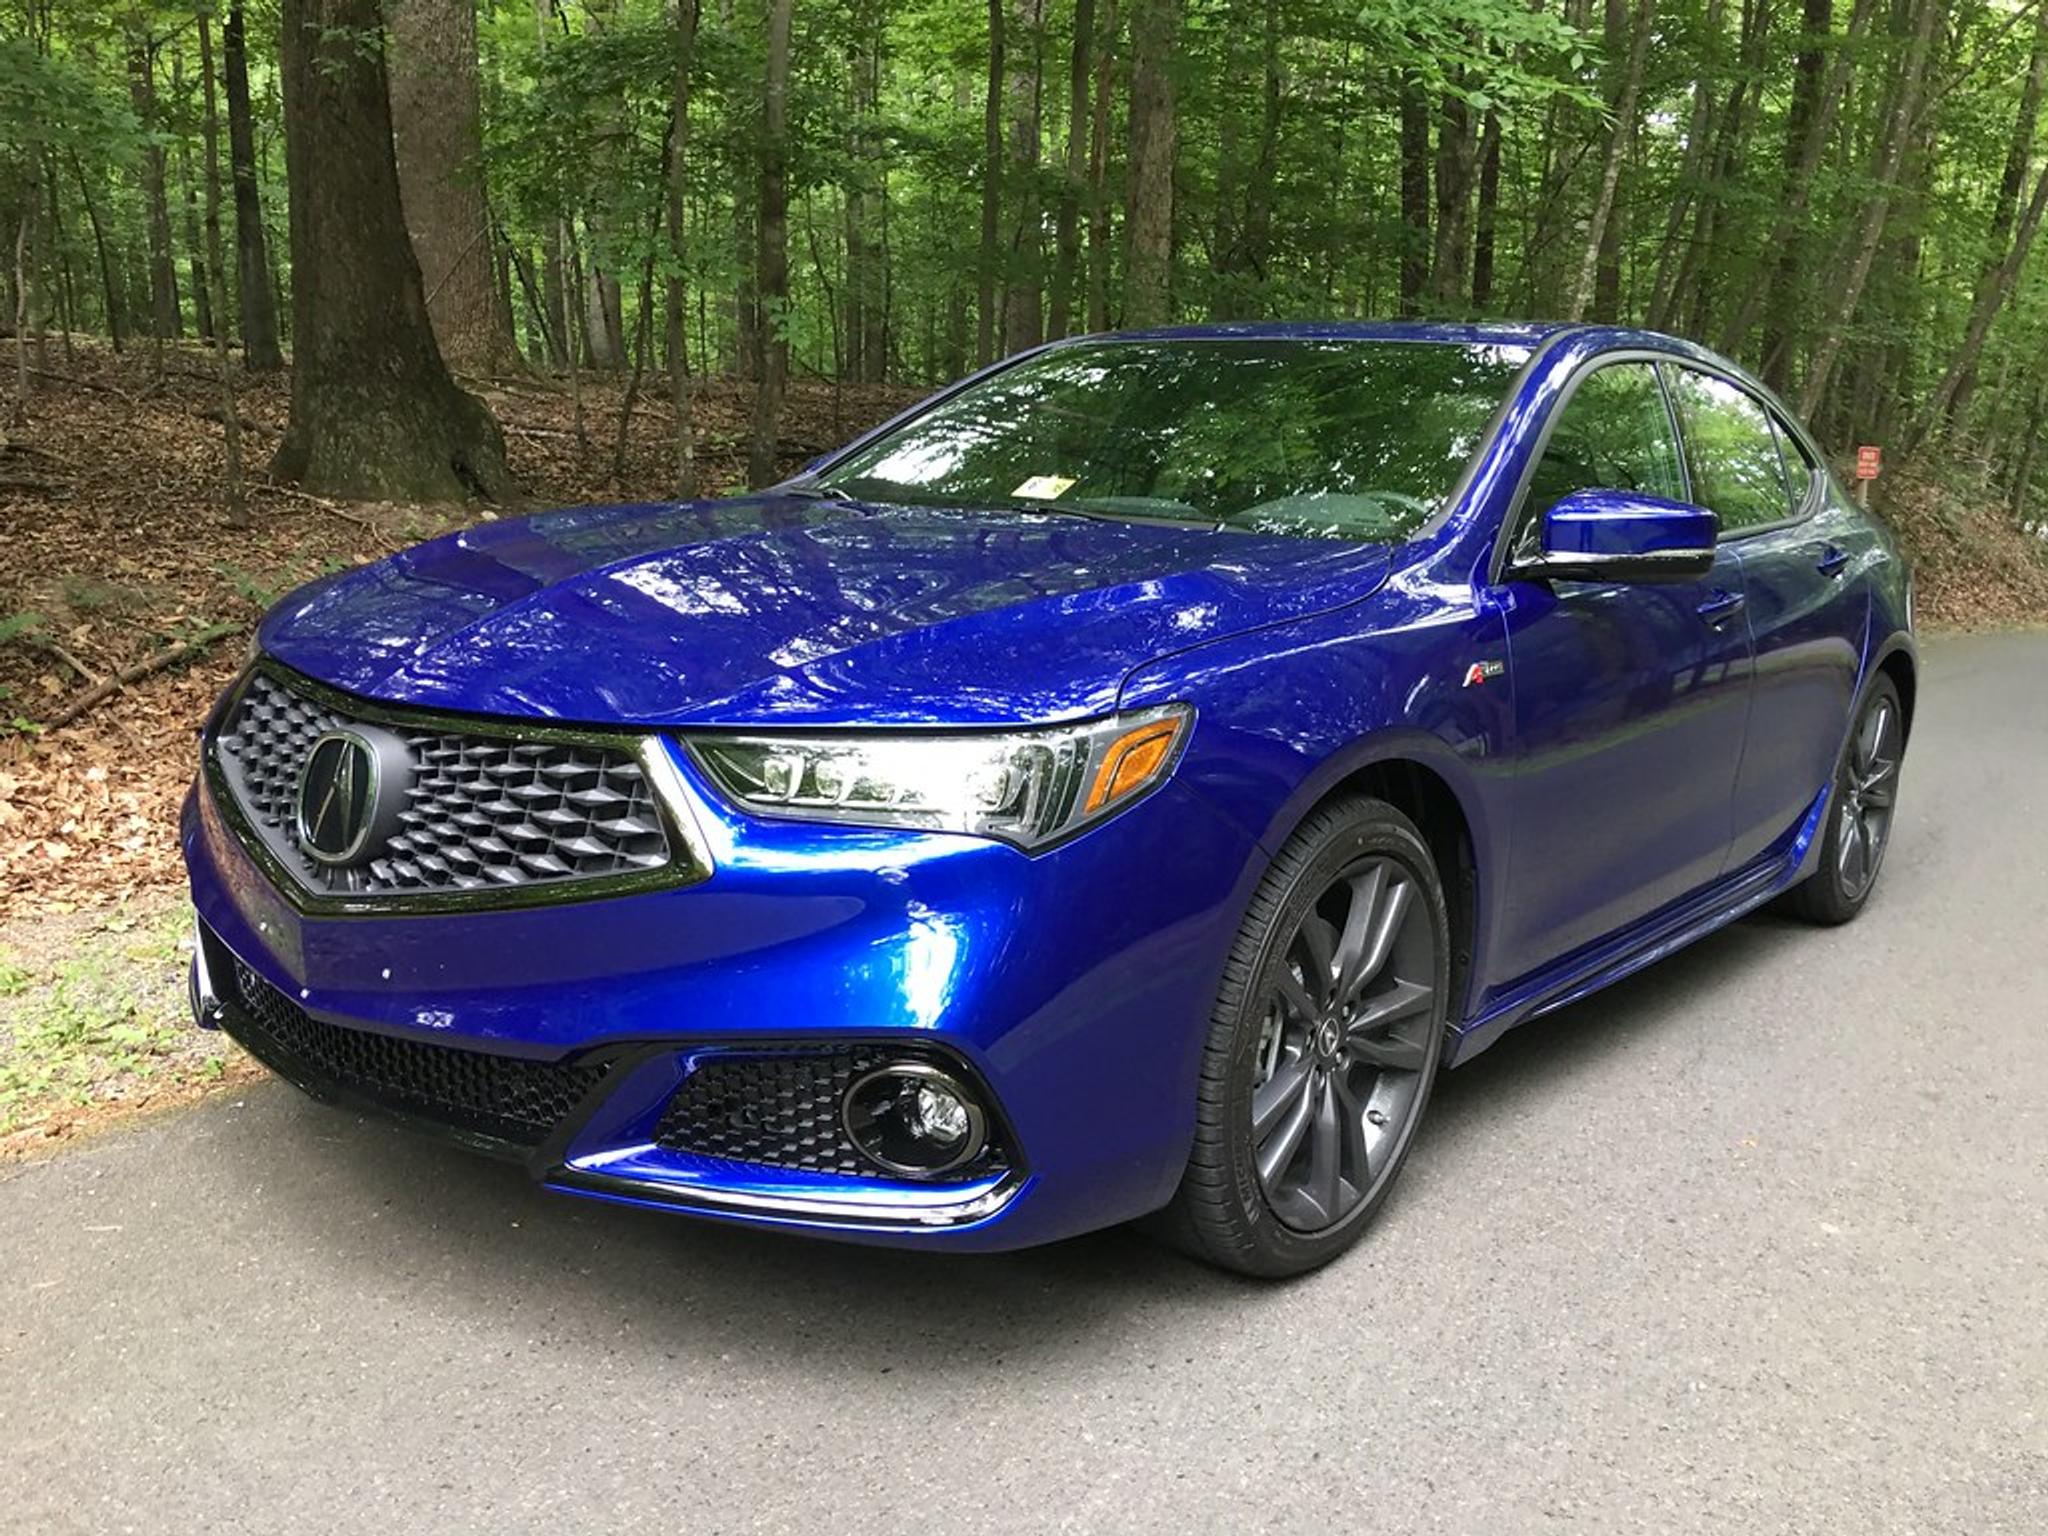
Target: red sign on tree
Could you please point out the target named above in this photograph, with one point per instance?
(1869, 460)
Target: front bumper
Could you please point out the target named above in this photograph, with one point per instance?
(1073, 988)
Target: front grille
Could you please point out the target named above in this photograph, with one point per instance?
(780, 1109)
(483, 811)
(506, 1097)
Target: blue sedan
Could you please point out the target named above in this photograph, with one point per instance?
(1115, 788)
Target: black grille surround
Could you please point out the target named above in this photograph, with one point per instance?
(496, 813)
(780, 1108)
(506, 1099)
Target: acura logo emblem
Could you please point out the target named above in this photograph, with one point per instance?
(350, 791)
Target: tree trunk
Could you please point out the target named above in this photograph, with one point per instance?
(1067, 225)
(1415, 249)
(1486, 221)
(18, 416)
(437, 126)
(2019, 153)
(110, 287)
(1789, 232)
(1255, 238)
(679, 391)
(867, 339)
(374, 412)
(165, 319)
(1023, 295)
(772, 359)
(224, 361)
(1781, 310)
(195, 255)
(1898, 130)
(991, 191)
(1992, 293)
(1454, 167)
(1624, 98)
(1148, 278)
(1099, 248)
(256, 302)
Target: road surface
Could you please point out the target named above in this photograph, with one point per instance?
(1754, 1242)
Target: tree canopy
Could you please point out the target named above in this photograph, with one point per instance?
(1844, 194)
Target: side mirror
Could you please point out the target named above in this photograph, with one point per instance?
(1622, 536)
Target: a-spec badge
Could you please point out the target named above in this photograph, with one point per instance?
(1482, 672)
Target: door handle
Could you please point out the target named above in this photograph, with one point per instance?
(1833, 561)
(1721, 607)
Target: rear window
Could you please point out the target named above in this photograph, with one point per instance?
(1732, 448)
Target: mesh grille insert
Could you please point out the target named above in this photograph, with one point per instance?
(482, 812)
(780, 1109)
(507, 1097)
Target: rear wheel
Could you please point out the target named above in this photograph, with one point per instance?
(1860, 812)
(1323, 1046)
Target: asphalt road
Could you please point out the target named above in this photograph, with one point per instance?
(1753, 1242)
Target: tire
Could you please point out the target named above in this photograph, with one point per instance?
(1859, 813)
(1333, 1021)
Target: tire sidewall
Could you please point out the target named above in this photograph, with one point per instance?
(1834, 895)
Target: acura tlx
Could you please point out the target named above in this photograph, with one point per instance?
(1113, 789)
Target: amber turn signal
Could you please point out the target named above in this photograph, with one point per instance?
(1133, 760)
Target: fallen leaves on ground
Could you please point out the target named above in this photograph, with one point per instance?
(116, 546)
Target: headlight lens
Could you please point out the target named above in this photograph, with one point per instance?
(1025, 787)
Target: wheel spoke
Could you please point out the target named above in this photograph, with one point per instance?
(1881, 788)
(1358, 925)
(1277, 1153)
(1271, 1098)
(1389, 1051)
(1320, 940)
(1357, 1152)
(1392, 912)
(1853, 854)
(1871, 736)
(1399, 1001)
(1297, 999)
(1326, 1153)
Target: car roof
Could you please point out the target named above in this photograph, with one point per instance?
(1523, 333)
(1489, 332)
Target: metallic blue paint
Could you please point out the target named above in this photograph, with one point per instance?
(1610, 525)
(1654, 761)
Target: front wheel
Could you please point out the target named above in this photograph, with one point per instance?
(1323, 1046)
(1859, 824)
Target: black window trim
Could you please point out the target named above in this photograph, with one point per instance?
(1780, 421)
(1503, 536)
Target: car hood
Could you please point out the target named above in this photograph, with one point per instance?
(783, 610)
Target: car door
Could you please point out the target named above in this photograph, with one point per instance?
(1630, 699)
(1800, 543)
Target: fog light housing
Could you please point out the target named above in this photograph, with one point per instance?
(914, 1119)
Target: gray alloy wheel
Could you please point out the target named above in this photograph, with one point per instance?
(1860, 815)
(1323, 1046)
(1341, 1051)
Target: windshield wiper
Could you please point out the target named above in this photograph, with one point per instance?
(817, 493)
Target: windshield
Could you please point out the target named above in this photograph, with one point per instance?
(1311, 438)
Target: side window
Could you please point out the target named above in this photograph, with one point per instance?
(1733, 450)
(1799, 469)
(1614, 435)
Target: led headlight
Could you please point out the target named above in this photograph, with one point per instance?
(1026, 787)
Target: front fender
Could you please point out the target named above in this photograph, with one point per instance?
(1287, 715)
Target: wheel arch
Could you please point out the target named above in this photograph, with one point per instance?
(1423, 793)
(1899, 664)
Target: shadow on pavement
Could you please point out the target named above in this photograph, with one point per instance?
(388, 1212)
